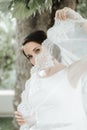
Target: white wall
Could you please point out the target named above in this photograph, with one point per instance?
(6, 103)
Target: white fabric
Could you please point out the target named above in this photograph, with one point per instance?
(71, 36)
(55, 102)
(57, 105)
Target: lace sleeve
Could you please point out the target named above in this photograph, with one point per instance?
(77, 70)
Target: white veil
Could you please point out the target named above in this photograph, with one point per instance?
(70, 36)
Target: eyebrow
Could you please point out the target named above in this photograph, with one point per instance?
(33, 50)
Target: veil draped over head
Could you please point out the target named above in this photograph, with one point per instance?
(67, 42)
(69, 36)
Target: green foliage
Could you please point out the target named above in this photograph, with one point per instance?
(82, 7)
(6, 42)
(6, 123)
(26, 8)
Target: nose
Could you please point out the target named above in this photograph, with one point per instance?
(34, 59)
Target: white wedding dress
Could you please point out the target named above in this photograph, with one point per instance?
(57, 105)
(55, 102)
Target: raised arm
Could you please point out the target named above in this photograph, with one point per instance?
(77, 70)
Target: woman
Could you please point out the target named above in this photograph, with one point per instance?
(58, 76)
(32, 43)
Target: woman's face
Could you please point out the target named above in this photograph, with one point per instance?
(31, 50)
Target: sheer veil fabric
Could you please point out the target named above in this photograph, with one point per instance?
(66, 42)
(71, 37)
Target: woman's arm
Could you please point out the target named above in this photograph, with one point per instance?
(77, 70)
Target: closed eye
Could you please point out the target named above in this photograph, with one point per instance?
(37, 50)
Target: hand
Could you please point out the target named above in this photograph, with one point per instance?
(19, 118)
(62, 13)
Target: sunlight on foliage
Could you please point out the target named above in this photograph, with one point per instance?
(82, 7)
(23, 9)
(7, 49)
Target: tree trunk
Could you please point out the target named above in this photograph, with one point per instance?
(22, 66)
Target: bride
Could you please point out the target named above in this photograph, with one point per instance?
(52, 99)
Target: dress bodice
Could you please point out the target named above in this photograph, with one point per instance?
(55, 101)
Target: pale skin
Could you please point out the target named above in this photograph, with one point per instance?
(32, 49)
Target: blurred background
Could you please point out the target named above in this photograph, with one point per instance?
(17, 19)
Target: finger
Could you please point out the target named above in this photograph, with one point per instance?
(20, 120)
(57, 14)
(18, 113)
(21, 123)
(18, 117)
(66, 10)
(64, 15)
(60, 15)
